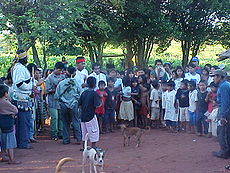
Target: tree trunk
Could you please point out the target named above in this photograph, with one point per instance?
(44, 55)
(140, 53)
(91, 54)
(185, 45)
(35, 55)
(195, 49)
(129, 55)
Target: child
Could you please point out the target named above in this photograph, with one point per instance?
(126, 107)
(110, 104)
(192, 75)
(163, 102)
(192, 105)
(202, 107)
(154, 102)
(89, 101)
(135, 93)
(179, 77)
(7, 113)
(171, 115)
(100, 111)
(211, 97)
(182, 99)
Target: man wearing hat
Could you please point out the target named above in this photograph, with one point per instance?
(195, 61)
(223, 101)
(81, 72)
(22, 88)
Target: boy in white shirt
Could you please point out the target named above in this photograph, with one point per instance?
(154, 102)
(192, 105)
(192, 75)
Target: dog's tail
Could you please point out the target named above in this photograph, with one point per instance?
(86, 139)
(61, 163)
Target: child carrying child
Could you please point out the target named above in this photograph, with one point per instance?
(7, 113)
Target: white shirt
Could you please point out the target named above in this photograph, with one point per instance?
(126, 92)
(170, 110)
(81, 76)
(99, 77)
(191, 77)
(154, 97)
(20, 74)
(178, 83)
(192, 100)
(163, 99)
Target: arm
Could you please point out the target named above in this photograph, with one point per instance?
(49, 86)
(225, 102)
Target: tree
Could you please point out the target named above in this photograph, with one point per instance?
(142, 25)
(194, 21)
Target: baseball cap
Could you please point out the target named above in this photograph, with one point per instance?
(195, 59)
(220, 73)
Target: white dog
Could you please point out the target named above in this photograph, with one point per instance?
(95, 157)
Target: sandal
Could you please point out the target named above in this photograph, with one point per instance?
(14, 162)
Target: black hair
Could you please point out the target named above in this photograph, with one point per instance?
(91, 82)
(192, 65)
(129, 71)
(110, 79)
(158, 60)
(155, 84)
(3, 89)
(134, 79)
(71, 69)
(168, 63)
(208, 65)
(205, 68)
(126, 81)
(185, 82)
(31, 67)
(95, 65)
(213, 84)
(59, 65)
(122, 72)
(144, 78)
(215, 67)
(204, 82)
(192, 83)
(101, 82)
(171, 84)
(79, 58)
(181, 68)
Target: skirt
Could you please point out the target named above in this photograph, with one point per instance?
(126, 110)
(8, 140)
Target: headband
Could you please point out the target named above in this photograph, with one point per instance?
(21, 55)
(80, 60)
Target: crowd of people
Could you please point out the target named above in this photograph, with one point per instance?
(192, 99)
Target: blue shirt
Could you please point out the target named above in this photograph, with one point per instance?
(223, 99)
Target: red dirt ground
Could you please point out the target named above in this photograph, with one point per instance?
(160, 152)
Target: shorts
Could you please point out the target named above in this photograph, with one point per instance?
(192, 118)
(109, 116)
(126, 110)
(91, 128)
(171, 123)
(155, 113)
(184, 116)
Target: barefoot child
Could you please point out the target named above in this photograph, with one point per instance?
(7, 113)
(154, 102)
(192, 105)
(171, 115)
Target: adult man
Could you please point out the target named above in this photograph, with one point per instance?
(81, 72)
(223, 100)
(97, 74)
(68, 93)
(22, 88)
(53, 105)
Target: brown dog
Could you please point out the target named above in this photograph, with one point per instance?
(127, 132)
(61, 163)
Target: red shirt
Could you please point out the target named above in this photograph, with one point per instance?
(211, 99)
(101, 109)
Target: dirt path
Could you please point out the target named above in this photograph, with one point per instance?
(160, 152)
